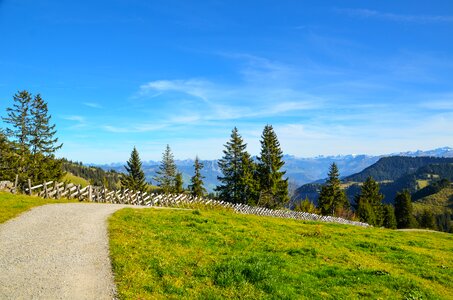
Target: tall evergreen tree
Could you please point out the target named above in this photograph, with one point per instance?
(196, 187)
(332, 199)
(274, 189)
(42, 132)
(166, 175)
(237, 182)
(33, 138)
(135, 178)
(403, 210)
(389, 216)
(369, 203)
(427, 220)
(19, 118)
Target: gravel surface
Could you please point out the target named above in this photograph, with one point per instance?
(57, 251)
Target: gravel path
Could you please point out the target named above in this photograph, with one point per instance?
(57, 251)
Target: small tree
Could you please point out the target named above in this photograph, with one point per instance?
(196, 187)
(306, 206)
(135, 178)
(403, 210)
(179, 188)
(427, 220)
(332, 199)
(166, 175)
(270, 162)
(237, 182)
(389, 216)
(369, 203)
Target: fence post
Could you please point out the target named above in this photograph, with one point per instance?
(90, 195)
(15, 183)
(29, 186)
(46, 195)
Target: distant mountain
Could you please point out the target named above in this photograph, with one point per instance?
(299, 170)
(394, 174)
(393, 167)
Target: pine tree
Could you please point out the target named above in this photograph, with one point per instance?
(196, 187)
(369, 203)
(8, 158)
(179, 189)
(274, 189)
(33, 138)
(42, 133)
(427, 220)
(389, 216)
(19, 118)
(332, 199)
(135, 178)
(403, 210)
(166, 175)
(237, 182)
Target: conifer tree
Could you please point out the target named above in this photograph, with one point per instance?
(237, 182)
(427, 220)
(33, 138)
(274, 189)
(369, 203)
(166, 175)
(19, 118)
(389, 216)
(332, 199)
(135, 178)
(42, 133)
(403, 210)
(196, 187)
(179, 188)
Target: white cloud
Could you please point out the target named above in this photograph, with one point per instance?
(92, 104)
(368, 13)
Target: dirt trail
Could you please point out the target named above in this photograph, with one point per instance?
(57, 251)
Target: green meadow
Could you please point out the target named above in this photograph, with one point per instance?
(210, 254)
(12, 205)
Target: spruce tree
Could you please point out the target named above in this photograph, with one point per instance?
(237, 183)
(369, 203)
(179, 188)
(166, 175)
(427, 220)
(135, 178)
(19, 118)
(332, 199)
(389, 219)
(42, 133)
(33, 138)
(196, 187)
(403, 210)
(274, 189)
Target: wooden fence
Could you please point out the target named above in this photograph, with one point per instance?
(90, 193)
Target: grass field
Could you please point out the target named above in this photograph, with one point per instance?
(12, 205)
(174, 254)
(75, 179)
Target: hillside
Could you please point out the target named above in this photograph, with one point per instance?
(394, 174)
(394, 167)
(222, 255)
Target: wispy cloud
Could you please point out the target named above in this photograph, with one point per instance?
(78, 121)
(368, 13)
(92, 104)
(135, 128)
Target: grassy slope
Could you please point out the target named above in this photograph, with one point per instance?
(12, 205)
(437, 203)
(160, 254)
(75, 179)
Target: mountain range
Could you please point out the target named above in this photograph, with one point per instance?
(300, 171)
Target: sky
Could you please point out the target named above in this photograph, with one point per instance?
(331, 77)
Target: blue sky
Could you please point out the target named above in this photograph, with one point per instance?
(332, 77)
